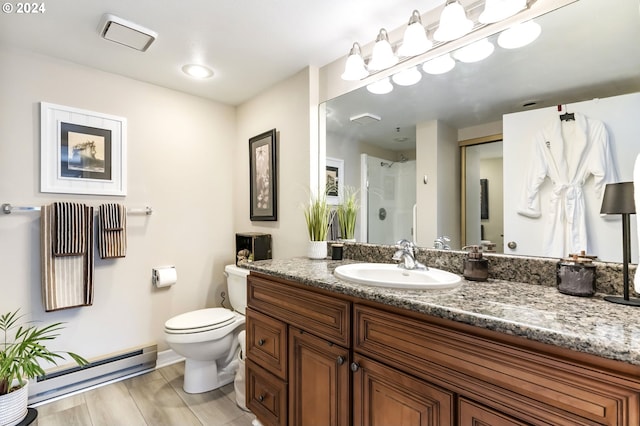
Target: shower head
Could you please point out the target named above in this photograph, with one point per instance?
(385, 164)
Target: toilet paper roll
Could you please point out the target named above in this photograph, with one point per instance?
(165, 276)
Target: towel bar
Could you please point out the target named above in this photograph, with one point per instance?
(8, 208)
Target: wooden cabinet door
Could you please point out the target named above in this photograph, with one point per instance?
(319, 381)
(383, 396)
(471, 413)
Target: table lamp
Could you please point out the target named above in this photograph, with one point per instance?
(618, 199)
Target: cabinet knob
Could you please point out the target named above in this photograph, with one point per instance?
(260, 342)
(340, 360)
(261, 398)
(355, 366)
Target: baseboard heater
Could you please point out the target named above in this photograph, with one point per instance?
(67, 380)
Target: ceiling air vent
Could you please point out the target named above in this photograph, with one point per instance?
(127, 33)
(365, 118)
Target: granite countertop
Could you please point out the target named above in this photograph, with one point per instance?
(591, 325)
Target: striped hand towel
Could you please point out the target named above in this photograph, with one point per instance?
(69, 236)
(111, 216)
(112, 231)
(67, 281)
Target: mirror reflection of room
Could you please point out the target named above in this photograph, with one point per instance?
(475, 100)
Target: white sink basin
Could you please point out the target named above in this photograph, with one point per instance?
(391, 276)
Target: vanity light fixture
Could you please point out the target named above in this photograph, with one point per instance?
(440, 65)
(415, 41)
(474, 52)
(407, 77)
(380, 87)
(197, 71)
(453, 22)
(355, 68)
(382, 56)
(497, 10)
(519, 35)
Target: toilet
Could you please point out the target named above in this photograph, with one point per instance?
(208, 338)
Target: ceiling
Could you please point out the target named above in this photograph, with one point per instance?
(587, 50)
(250, 44)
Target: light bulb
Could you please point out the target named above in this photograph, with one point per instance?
(354, 68)
(382, 56)
(474, 52)
(453, 22)
(519, 35)
(415, 41)
(380, 87)
(407, 77)
(439, 65)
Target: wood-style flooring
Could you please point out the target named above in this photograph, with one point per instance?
(152, 399)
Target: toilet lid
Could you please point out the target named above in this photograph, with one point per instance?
(200, 320)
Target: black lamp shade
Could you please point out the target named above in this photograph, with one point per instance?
(618, 199)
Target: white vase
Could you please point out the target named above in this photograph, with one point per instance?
(348, 240)
(13, 406)
(317, 250)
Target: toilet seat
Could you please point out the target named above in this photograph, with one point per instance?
(200, 321)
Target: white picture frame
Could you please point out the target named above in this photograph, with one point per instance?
(82, 152)
(335, 180)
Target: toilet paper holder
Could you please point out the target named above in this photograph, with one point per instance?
(164, 276)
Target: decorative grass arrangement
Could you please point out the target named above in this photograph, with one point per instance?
(318, 215)
(347, 213)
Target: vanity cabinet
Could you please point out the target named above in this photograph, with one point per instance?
(315, 357)
(298, 351)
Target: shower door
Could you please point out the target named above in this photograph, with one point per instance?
(390, 196)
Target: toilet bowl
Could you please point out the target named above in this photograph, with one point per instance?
(208, 338)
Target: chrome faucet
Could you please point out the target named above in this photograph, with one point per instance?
(405, 255)
(441, 243)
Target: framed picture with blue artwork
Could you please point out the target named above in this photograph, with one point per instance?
(82, 152)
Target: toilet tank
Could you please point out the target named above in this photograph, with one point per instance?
(237, 287)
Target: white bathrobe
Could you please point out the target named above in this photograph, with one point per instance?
(568, 152)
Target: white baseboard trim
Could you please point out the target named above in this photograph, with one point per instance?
(168, 357)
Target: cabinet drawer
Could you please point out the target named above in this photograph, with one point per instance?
(325, 316)
(266, 396)
(267, 343)
(539, 387)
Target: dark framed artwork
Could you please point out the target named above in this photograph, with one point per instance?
(263, 177)
(484, 199)
(82, 152)
(335, 180)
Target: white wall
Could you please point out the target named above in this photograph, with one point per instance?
(180, 162)
(438, 200)
(289, 107)
(620, 115)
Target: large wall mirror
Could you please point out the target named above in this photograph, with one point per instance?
(410, 186)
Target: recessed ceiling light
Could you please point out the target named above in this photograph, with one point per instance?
(197, 71)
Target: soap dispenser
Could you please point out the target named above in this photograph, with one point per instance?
(475, 267)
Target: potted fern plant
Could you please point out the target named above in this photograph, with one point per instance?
(22, 348)
(318, 215)
(347, 214)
